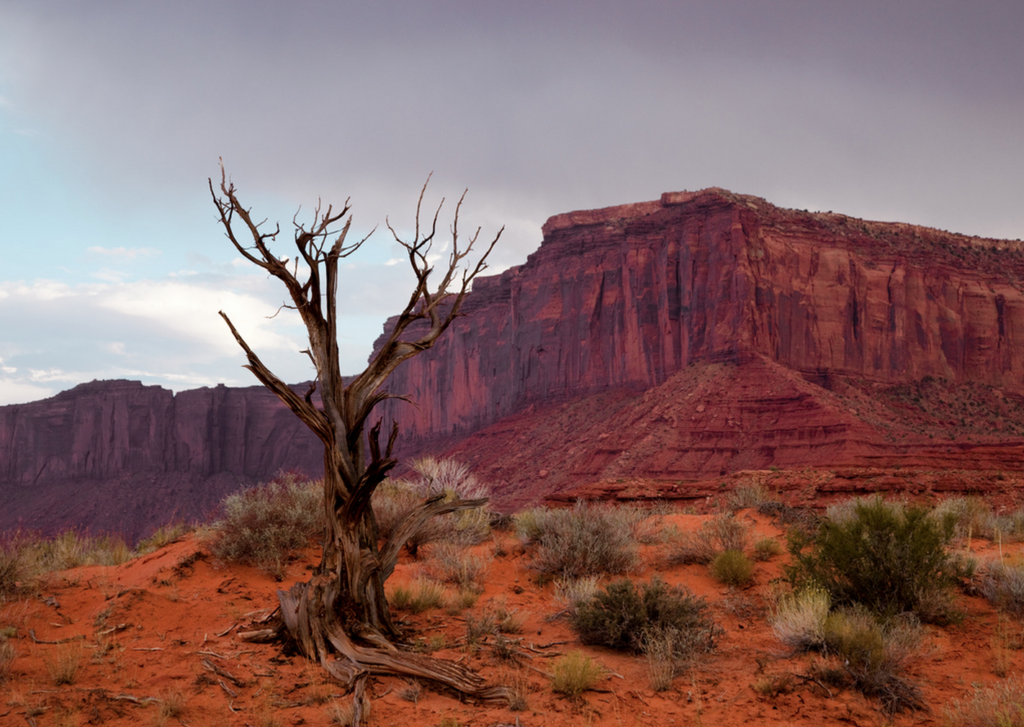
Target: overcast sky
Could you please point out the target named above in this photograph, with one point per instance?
(113, 116)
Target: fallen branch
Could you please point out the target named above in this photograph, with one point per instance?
(210, 666)
(32, 633)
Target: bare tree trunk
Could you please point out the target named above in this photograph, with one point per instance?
(340, 617)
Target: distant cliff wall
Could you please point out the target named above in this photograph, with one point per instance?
(121, 456)
(626, 296)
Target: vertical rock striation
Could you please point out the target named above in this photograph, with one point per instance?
(627, 296)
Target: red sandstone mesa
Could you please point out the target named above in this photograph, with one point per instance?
(671, 340)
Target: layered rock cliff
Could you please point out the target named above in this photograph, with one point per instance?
(121, 456)
(673, 341)
(627, 296)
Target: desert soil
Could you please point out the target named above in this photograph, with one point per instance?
(167, 623)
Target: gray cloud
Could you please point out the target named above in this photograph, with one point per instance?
(906, 111)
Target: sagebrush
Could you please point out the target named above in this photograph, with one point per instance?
(264, 526)
(625, 617)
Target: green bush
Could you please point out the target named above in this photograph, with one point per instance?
(885, 556)
(623, 617)
(263, 526)
(585, 540)
(732, 568)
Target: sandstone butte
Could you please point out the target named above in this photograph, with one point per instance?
(645, 350)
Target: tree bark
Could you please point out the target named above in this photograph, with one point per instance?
(340, 617)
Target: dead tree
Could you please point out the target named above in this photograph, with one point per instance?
(340, 617)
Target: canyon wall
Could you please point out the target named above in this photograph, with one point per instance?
(120, 456)
(627, 296)
(687, 337)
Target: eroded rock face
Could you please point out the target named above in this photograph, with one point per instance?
(627, 296)
(672, 341)
(121, 456)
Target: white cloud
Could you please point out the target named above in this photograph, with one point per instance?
(190, 309)
(13, 391)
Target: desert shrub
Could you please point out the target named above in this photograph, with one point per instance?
(882, 555)
(732, 568)
(798, 619)
(1009, 526)
(570, 593)
(585, 540)
(12, 565)
(63, 665)
(1001, 705)
(971, 516)
(263, 526)
(766, 548)
(722, 532)
(574, 674)
(461, 600)
(418, 596)
(393, 500)
(530, 524)
(451, 563)
(750, 495)
(623, 617)
(163, 535)
(876, 655)
(7, 655)
(1003, 585)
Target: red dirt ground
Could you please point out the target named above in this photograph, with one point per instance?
(149, 628)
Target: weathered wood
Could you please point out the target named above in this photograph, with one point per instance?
(340, 617)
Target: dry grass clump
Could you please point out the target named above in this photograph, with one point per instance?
(173, 705)
(764, 549)
(574, 674)
(721, 533)
(344, 714)
(395, 499)
(582, 541)
(24, 556)
(418, 596)
(732, 568)
(999, 706)
(163, 535)
(749, 496)
(570, 593)
(876, 656)
(1003, 585)
(798, 619)
(451, 563)
(7, 655)
(13, 568)
(64, 664)
(263, 526)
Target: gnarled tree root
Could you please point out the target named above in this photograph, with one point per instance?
(319, 635)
